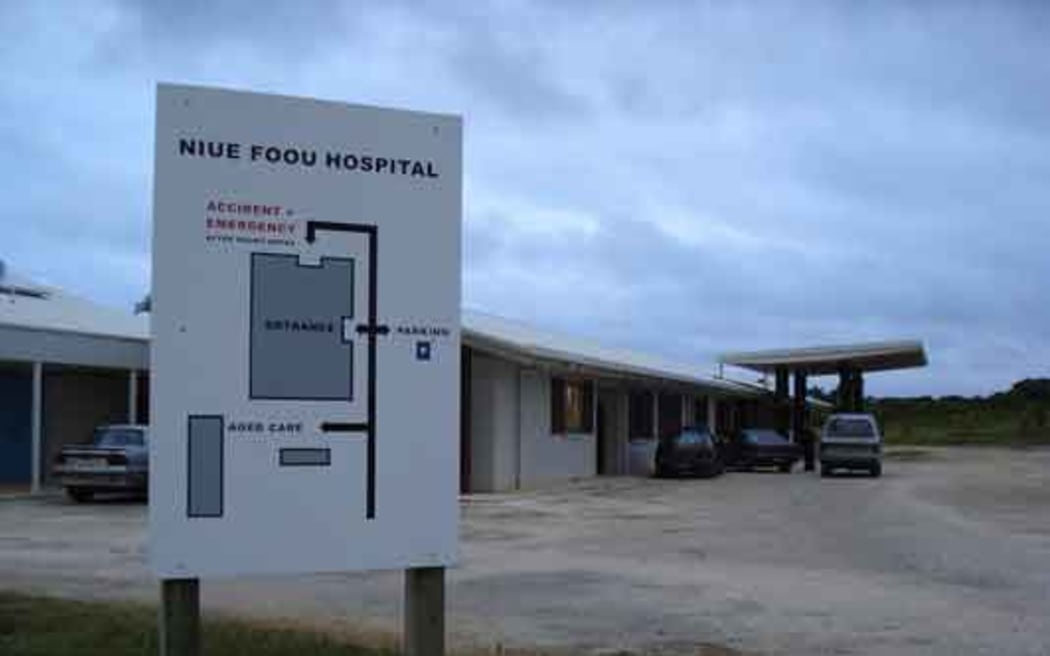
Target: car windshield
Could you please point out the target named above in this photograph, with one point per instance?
(691, 437)
(118, 437)
(843, 427)
(767, 437)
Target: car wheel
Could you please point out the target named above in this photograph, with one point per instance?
(825, 471)
(876, 470)
(786, 468)
(79, 495)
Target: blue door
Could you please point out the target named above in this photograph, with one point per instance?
(16, 407)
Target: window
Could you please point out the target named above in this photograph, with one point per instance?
(641, 414)
(764, 437)
(670, 414)
(572, 406)
(700, 411)
(118, 437)
(844, 427)
(693, 437)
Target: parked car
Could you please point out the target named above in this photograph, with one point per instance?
(851, 441)
(693, 451)
(117, 460)
(761, 447)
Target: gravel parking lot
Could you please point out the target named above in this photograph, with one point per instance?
(948, 553)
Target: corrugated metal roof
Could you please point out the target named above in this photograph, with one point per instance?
(30, 305)
(500, 335)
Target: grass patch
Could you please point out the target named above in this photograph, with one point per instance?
(1020, 417)
(39, 626)
(932, 435)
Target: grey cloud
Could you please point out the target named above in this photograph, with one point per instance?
(269, 27)
(514, 77)
(678, 177)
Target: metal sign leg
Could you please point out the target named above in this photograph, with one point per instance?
(180, 617)
(424, 630)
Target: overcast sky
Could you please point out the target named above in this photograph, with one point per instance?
(680, 178)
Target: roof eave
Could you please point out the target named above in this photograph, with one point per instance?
(62, 330)
(534, 355)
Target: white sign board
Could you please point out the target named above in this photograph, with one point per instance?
(305, 358)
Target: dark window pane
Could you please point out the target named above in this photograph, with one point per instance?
(572, 406)
(641, 414)
(764, 437)
(118, 437)
(557, 406)
(851, 428)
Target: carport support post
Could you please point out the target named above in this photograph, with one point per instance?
(780, 397)
(180, 617)
(845, 392)
(851, 390)
(37, 428)
(133, 397)
(798, 420)
(424, 621)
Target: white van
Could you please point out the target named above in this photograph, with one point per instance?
(851, 441)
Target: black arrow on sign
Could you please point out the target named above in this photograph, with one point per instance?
(368, 329)
(342, 427)
(372, 329)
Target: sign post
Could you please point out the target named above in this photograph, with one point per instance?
(180, 617)
(306, 345)
(424, 621)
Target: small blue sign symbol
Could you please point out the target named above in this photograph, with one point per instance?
(423, 351)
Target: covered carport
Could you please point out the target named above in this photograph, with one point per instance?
(67, 365)
(850, 362)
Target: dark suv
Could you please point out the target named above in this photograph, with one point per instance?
(693, 451)
(761, 447)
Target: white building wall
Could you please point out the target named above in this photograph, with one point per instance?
(494, 424)
(511, 442)
(641, 457)
(547, 458)
(642, 450)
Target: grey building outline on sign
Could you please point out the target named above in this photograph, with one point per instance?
(298, 318)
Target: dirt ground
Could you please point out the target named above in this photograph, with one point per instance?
(948, 553)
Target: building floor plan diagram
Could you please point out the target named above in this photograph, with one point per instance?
(302, 332)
